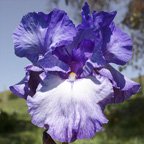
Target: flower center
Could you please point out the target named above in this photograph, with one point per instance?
(72, 76)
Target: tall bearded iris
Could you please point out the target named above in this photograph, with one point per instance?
(70, 80)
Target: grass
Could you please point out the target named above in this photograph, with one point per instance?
(126, 123)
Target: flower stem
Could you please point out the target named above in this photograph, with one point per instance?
(47, 139)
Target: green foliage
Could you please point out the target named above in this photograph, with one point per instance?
(15, 125)
(126, 121)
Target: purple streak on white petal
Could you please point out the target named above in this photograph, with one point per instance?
(70, 109)
(87, 70)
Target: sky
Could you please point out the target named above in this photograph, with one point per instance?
(11, 12)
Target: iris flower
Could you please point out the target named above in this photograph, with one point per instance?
(70, 79)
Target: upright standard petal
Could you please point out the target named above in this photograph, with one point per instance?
(29, 36)
(70, 110)
(117, 45)
(97, 19)
(86, 15)
(39, 32)
(103, 19)
(78, 52)
(61, 29)
(87, 49)
(123, 87)
(94, 24)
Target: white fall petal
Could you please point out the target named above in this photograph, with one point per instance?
(70, 109)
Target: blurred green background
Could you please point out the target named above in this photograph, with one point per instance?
(126, 120)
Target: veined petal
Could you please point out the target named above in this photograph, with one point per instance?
(29, 36)
(123, 87)
(39, 32)
(86, 16)
(51, 63)
(103, 19)
(63, 53)
(96, 59)
(70, 110)
(117, 45)
(83, 51)
(96, 20)
(61, 29)
(78, 51)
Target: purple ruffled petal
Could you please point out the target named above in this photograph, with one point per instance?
(70, 110)
(29, 36)
(51, 63)
(96, 20)
(63, 53)
(20, 89)
(76, 54)
(29, 83)
(117, 45)
(83, 51)
(123, 87)
(86, 16)
(61, 29)
(70, 81)
(87, 49)
(81, 54)
(39, 32)
(96, 59)
(111, 44)
(103, 19)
